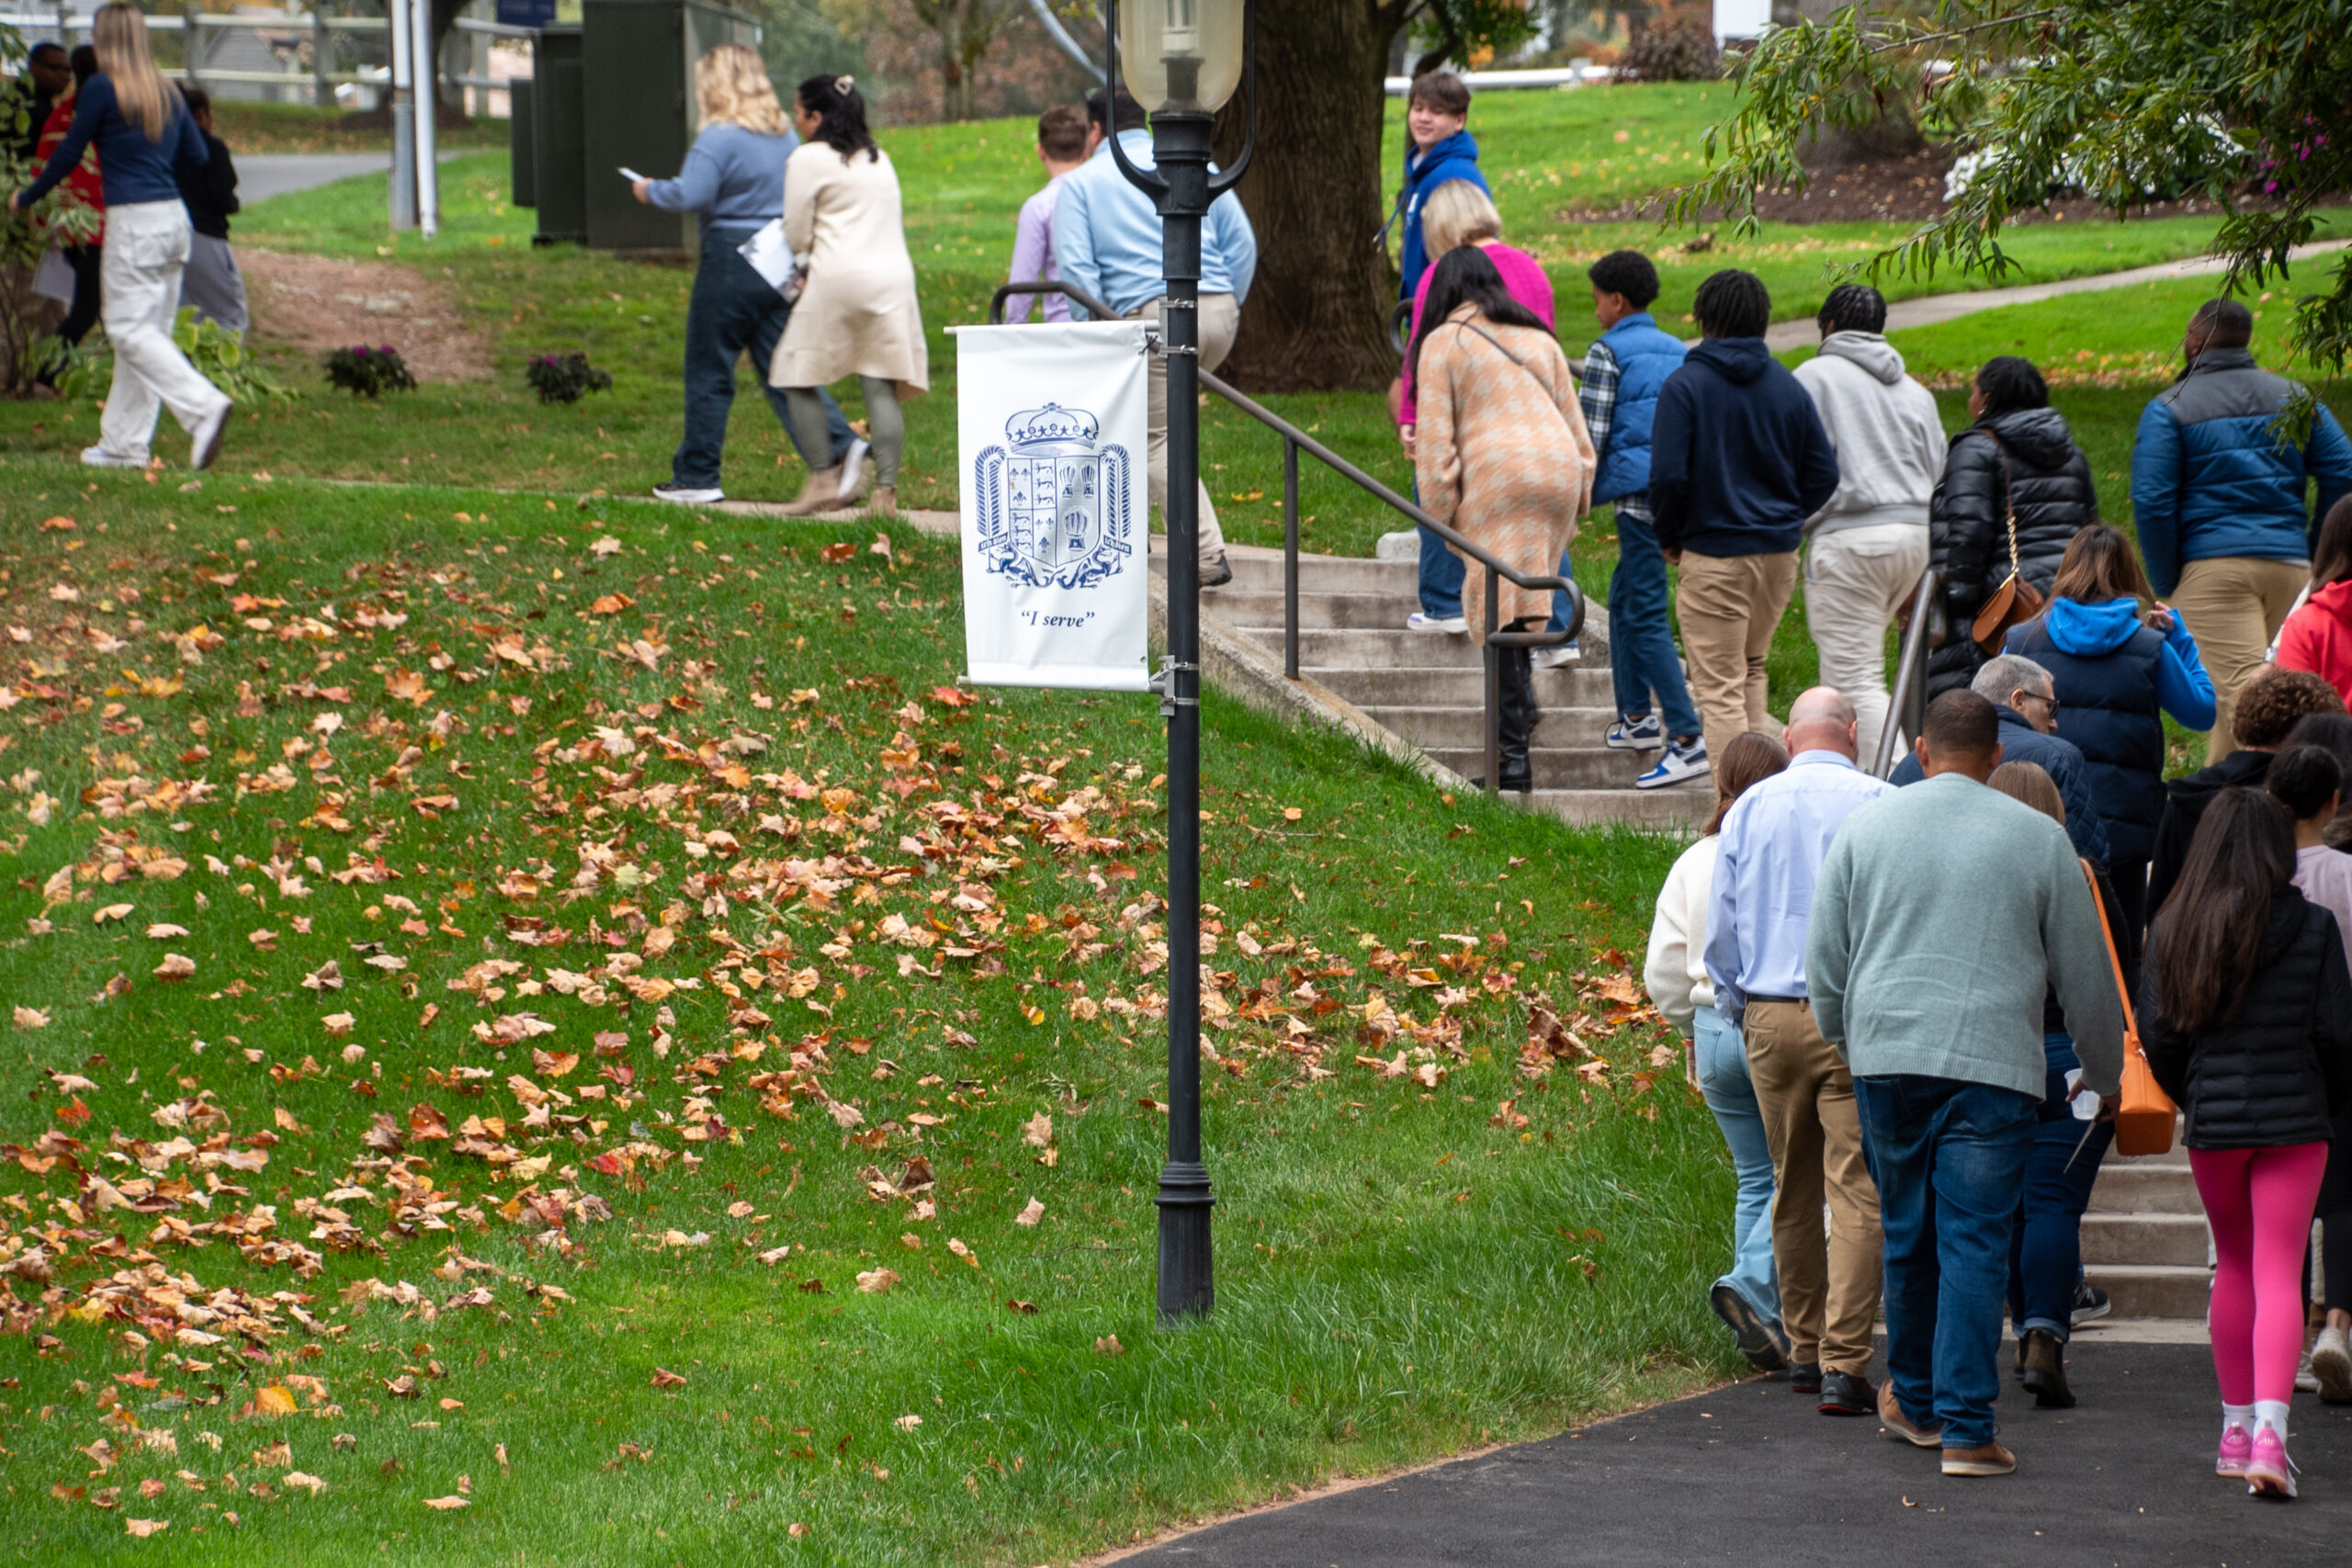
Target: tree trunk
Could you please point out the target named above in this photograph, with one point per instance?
(1317, 316)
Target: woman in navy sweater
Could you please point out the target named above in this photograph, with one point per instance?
(141, 131)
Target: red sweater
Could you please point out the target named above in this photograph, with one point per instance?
(83, 181)
(2318, 637)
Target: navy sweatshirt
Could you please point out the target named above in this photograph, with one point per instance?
(131, 168)
(1738, 458)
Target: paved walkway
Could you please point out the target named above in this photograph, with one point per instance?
(1750, 1476)
(1927, 312)
(261, 176)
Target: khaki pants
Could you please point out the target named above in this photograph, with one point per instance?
(1220, 322)
(1729, 606)
(2233, 605)
(1829, 1288)
(1855, 579)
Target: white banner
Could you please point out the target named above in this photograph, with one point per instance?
(1052, 424)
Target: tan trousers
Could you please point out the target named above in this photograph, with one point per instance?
(1829, 1288)
(2233, 605)
(1220, 323)
(1729, 606)
(1855, 579)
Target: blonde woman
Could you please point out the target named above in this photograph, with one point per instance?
(733, 182)
(858, 315)
(141, 130)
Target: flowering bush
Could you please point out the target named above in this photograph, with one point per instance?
(565, 377)
(365, 372)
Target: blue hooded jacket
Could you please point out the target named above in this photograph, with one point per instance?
(1738, 457)
(1455, 158)
(2211, 480)
(1646, 357)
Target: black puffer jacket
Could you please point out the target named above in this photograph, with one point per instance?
(1968, 521)
(2274, 1073)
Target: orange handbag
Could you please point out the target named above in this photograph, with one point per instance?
(2146, 1114)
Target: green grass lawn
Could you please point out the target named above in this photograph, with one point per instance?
(248, 126)
(656, 861)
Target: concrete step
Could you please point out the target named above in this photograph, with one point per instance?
(2154, 1290)
(1260, 570)
(1260, 613)
(1556, 767)
(2130, 1187)
(1465, 728)
(1684, 805)
(1431, 686)
(2144, 1239)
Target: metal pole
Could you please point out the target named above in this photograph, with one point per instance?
(1290, 558)
(403, 193)
(1187, 1286)
(426, 94)
(1493, 663)
(322, 57)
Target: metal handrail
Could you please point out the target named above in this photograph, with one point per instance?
(1908, 703)
(1295, 441)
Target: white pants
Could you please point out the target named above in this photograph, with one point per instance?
(147, 249)
(1855, 579)
(1220, 321)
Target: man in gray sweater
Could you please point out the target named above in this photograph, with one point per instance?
(1943, 914)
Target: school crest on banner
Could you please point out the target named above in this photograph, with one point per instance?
(1052, 422)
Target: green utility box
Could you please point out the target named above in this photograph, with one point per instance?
(522, 145)
(617, 91)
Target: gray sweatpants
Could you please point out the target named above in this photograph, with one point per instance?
(213, 285)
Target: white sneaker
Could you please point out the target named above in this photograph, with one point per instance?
(1454, 625)
(1558, 657)
(689, 495)
(205, 440)
(854, 464)
(2306, 1376)
(2331, 1365)
(100, 458)
(1685, 759)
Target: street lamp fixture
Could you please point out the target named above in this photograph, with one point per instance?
(1181, 59)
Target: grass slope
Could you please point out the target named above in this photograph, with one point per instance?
(484, 762)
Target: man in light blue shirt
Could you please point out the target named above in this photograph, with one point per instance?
(1774, 841)
(1107, 242)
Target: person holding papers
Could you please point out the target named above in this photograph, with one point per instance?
(733, 182)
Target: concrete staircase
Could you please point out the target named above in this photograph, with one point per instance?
(2144, 1241)
(1428, 689)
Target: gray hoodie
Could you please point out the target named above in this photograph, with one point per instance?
(1889, 437)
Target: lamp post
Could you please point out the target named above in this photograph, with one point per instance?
(1181, 59)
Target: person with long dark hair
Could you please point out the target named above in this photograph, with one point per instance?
(1747, 1297)
(2016, 459)
(1502, 455)
(858, 314)
(2318, 633)
(2333, 733)
(2118, 663)
(2247, 1005)
(141, 129)
(2269, 708)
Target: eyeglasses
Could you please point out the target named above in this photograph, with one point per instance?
(2049, 702)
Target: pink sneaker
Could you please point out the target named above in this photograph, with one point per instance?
(2269, 1472)
(2237, 1446)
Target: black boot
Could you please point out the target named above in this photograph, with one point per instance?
(2045, 1371)
(1518, 719)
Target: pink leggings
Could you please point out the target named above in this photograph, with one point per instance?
(2259, 1203)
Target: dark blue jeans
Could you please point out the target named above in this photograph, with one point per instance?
(1947, 1157)
(1642, 655)
(733, 308)
(2046, 1252)
(1441, 577)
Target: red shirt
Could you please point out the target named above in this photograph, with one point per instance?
(2318, 637)
(83, 180)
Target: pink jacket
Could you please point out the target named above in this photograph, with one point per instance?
(1523, 275)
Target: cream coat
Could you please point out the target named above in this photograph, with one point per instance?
(858, 315)
(1502, 453)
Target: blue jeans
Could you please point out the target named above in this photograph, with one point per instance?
(1441, 577)
(1642, 655)
(2046, 1254)
(1722, 1080)
(733, 308)
(1947, 1157)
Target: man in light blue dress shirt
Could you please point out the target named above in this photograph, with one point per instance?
(1774, 841)
(1107, 242)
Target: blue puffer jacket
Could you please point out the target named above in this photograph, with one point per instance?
(1455, 158)
(1646, 357)
(2210, 479)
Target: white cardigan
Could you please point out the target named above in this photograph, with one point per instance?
(1675, 971)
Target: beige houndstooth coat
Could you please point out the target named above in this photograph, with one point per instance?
(1501, 453)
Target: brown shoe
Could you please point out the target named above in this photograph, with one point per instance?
(821, 493)
(883, 503)
(1925, 1434)
(1990, 1460)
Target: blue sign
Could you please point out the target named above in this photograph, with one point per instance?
(526, 13)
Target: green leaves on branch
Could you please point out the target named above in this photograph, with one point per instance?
(2126, 101)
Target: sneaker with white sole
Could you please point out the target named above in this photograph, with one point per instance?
(2090, 1304)
(689, 495)
(854, 464)
(1685, 759)
(1558, 657)
(2331, 1365)
(1641, 734)
(208, 435)
(2269, 1472)
(100, 458)
(1454, 625)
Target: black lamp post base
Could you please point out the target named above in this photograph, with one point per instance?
(1187, 1285)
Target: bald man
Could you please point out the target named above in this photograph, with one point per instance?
(1773, 847)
